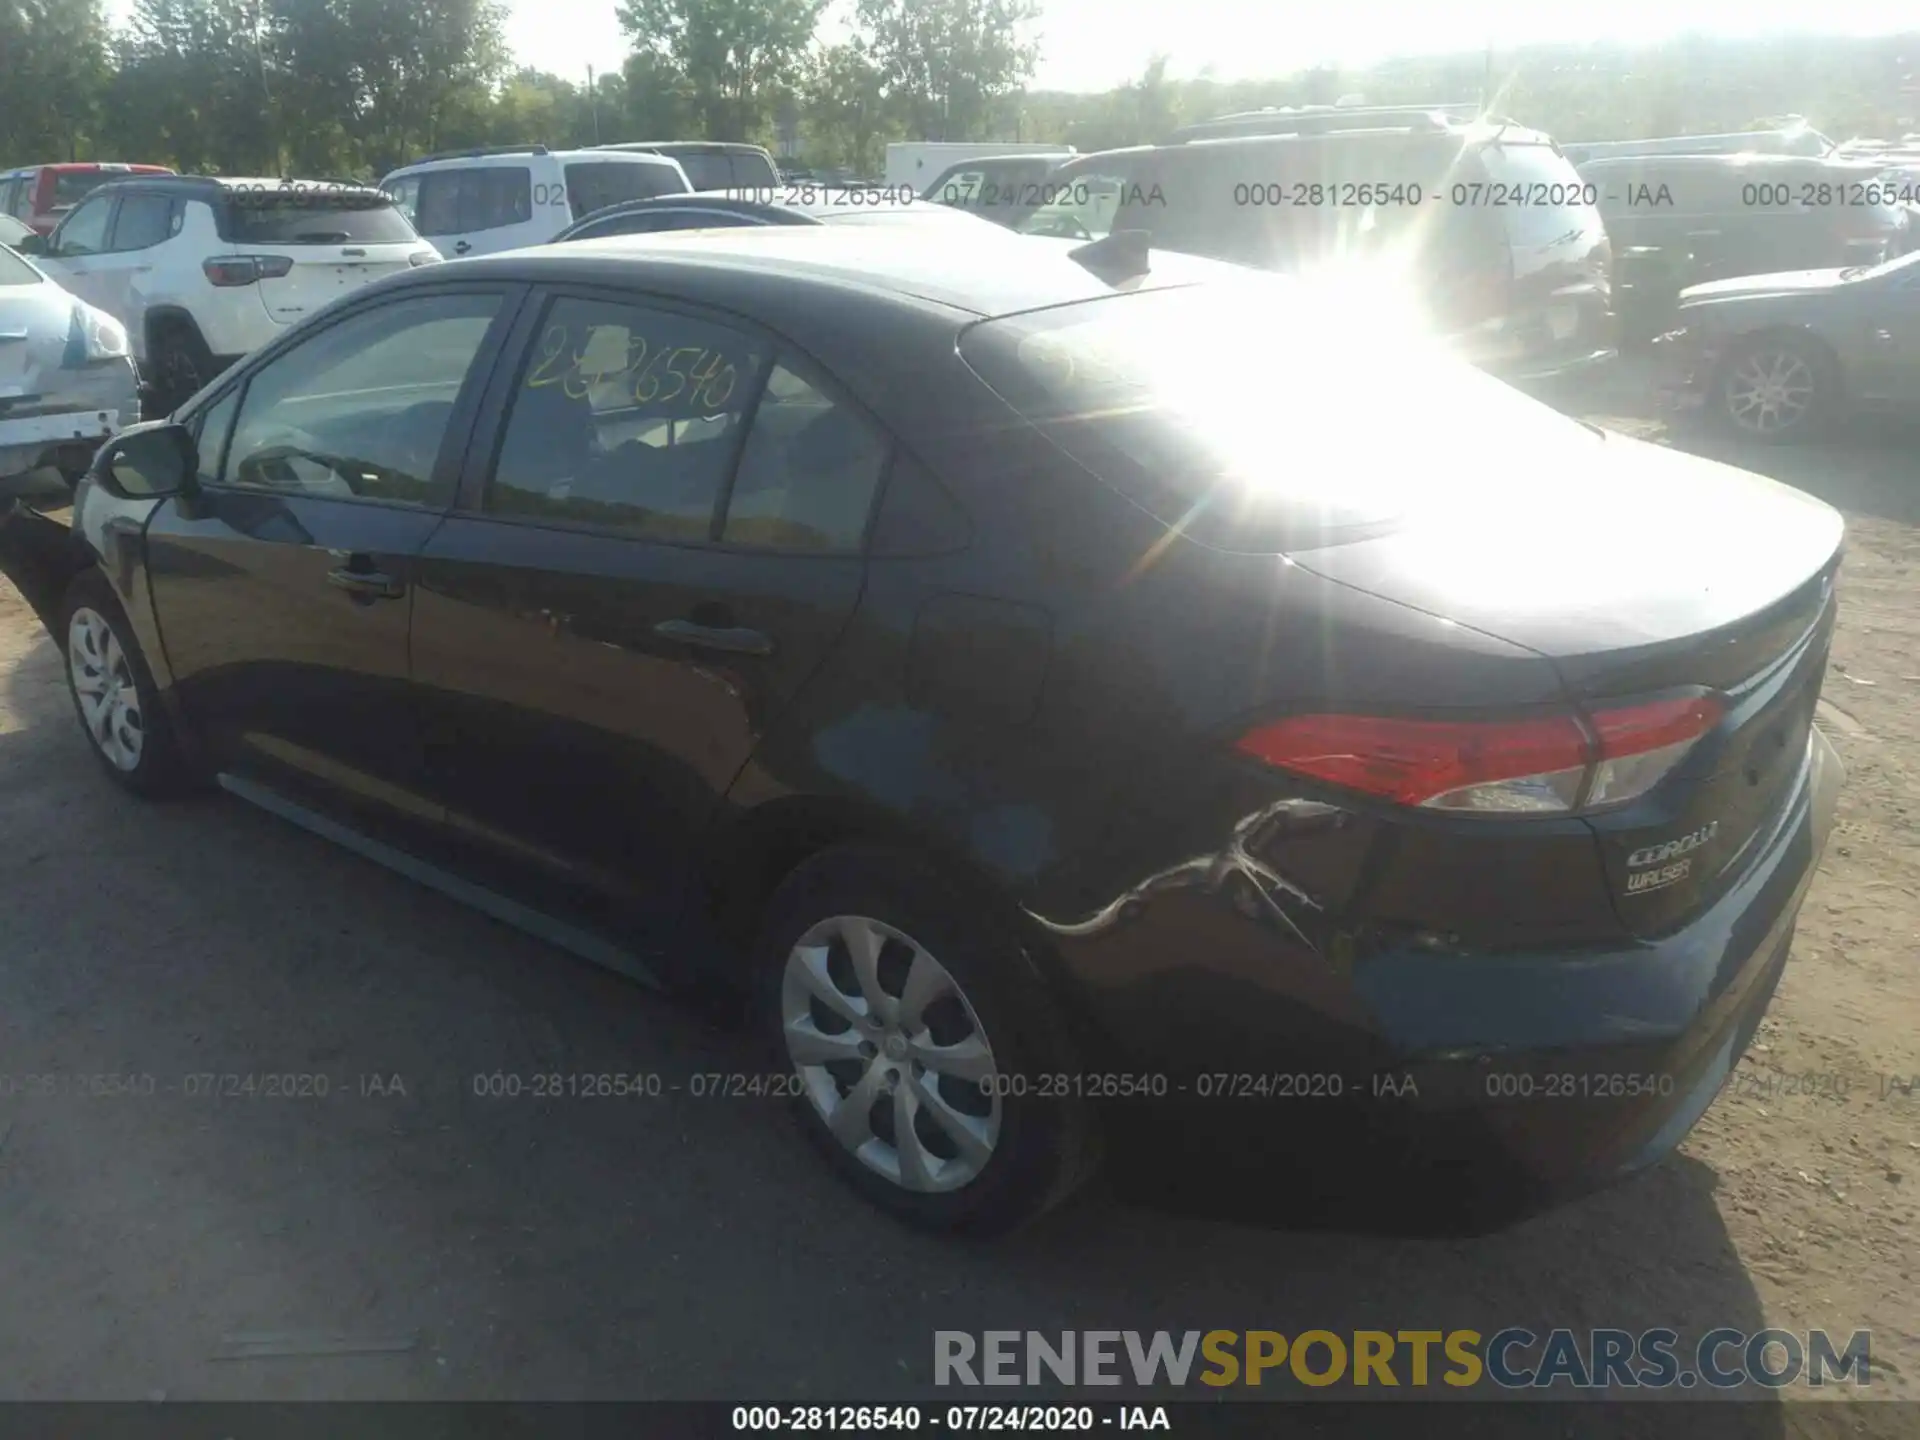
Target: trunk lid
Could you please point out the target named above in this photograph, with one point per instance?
(1640, 573)
(332, 240)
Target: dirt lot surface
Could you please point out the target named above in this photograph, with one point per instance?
(683, 1249)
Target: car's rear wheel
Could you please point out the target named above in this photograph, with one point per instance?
(181, 364)
(113, 693)
(1777, 388)
(920, 1043)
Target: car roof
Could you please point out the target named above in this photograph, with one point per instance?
(208, 187)
(1738, 159)
(687, 147)
(797, 268)
(510, 154)
(1482, 133)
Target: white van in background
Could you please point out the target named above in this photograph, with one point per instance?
(918, 163)
(478, 202)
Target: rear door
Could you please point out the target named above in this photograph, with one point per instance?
(316, 244)
(284, 587)
(654, 550)
(481, 209)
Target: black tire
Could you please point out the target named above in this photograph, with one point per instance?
(159, 769)
(1784, 355)
(1046, 1146)
(179, 364)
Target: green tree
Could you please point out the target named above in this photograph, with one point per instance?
(844, 109)
(950, 67)
(734, 55)
(53, 61)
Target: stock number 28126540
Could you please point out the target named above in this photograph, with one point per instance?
(1064, 1084)
(697, 379)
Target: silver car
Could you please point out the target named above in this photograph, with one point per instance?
(67, 380)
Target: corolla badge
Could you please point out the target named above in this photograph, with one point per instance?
(1654, 867)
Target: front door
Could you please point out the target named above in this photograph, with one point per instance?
(76, 251)
(667, 545)
(284, 586)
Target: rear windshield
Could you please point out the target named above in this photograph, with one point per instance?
(719, 170)
(595, 184)
(319, 219)
(1258, 415)
(1539, 194)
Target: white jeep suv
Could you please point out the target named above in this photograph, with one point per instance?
(479, 202)
(202, 270)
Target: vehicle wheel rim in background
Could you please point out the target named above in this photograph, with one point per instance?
(891, 1053)
(181, 377)
(109, 699)
(1768, 391)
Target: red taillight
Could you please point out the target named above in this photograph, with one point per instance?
(231, 270)
(1543, 765)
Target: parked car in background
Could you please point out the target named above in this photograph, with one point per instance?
(475, 202)
(40, 195)
(786, 205)
(1002, 188)
(1734, 215)
(67, 378)
(931, 644)
(711, 164)
(1480, 223)
(916, 164)
(1781, 357)
(202, 270)
(1798, 139)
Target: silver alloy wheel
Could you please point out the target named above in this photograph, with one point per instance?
(891, 1053)
(109, 699)
(1768, 391)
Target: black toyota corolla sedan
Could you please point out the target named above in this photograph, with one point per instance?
(1088, 702)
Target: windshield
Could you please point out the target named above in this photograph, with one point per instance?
(322, 219)
(1253, 413)
(15, 271)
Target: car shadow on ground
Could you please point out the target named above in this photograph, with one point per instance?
(669, 1247)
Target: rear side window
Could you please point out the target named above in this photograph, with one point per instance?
(264, 218)
(754, 171)
(144, 221)
(11, 198)
(627, 419)
(808, 472)
(595, 184)
(481, 197)
(1542, 197)
(1084, 203)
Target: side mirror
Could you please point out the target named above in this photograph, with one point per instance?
(32, 243)
(150, 463)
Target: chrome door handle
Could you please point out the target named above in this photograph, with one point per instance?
(715, 637)
(369, 583)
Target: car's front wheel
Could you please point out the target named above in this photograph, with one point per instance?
(925, 1057)
(1777, 388)
(113, 692)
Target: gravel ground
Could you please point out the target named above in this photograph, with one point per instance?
(675, 1248)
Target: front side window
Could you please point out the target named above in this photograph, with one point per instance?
(406, 197)
(144, 221)
(808, 472)
(359, 411)
(626, 418)
(84, 232)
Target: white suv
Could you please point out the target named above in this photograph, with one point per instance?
(203, 270)
(478, 202)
